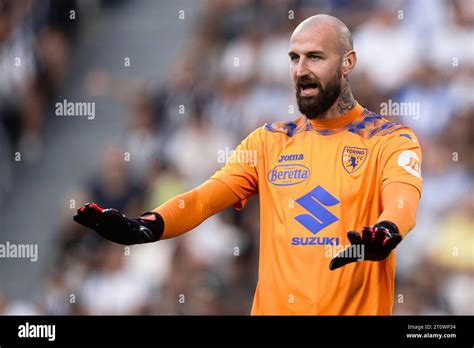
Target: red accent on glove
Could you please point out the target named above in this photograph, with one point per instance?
(96, 207)
(150, 217)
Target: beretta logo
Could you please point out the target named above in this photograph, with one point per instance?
(288, 174)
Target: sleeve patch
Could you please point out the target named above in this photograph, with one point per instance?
(409, 161)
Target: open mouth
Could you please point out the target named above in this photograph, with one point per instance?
(308, 89)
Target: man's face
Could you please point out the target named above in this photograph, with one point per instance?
(315, 69)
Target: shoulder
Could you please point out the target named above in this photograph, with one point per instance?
(393, 132)
(403, 143)
(404, 135)
(370, 124)
(288, 128)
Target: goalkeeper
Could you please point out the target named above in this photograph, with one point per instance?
(339, 189)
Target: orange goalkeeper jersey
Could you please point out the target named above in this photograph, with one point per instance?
(317, 179)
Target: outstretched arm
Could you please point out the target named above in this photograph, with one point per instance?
(186, 211)
(178, 215)
(235, 182)
(400, 202)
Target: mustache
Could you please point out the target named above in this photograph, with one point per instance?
(305, 81)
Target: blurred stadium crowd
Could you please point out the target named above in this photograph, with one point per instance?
(35, 42)
(232, 78)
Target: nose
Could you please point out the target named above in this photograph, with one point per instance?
(302, 68)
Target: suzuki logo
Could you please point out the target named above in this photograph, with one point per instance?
(314, 202)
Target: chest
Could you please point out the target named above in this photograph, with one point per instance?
(338, 166)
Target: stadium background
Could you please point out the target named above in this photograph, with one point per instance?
(169, 92)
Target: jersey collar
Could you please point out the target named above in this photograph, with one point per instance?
(338, 122)
(322, 127)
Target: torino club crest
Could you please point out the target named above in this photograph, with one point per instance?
(353, 158)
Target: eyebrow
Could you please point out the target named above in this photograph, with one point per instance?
(321, 53)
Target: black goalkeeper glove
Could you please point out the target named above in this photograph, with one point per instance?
(376, 243)
(114, 226)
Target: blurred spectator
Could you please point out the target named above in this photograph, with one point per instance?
(386, 50)
(141, 139)
(58, 300)
(33, 59)
(6, 174)
(194, 149)
(115, 186)
(110, 288)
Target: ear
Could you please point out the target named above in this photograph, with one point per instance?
(348, 63)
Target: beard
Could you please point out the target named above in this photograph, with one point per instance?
(314, 106)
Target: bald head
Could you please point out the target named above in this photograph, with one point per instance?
(321, 59)
(333, 30)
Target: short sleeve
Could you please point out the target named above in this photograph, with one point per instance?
(401, 159)
(240, 170)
